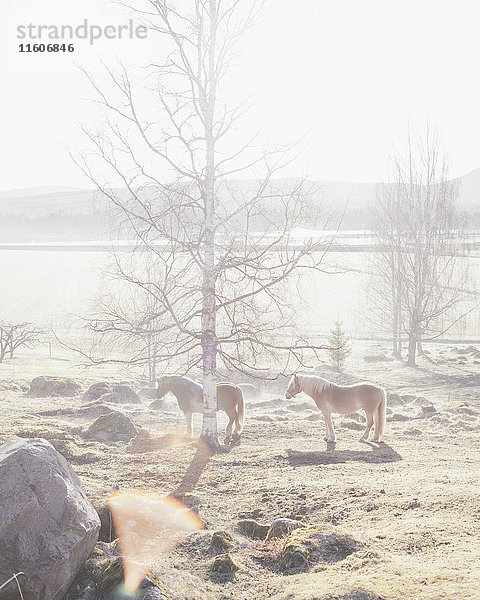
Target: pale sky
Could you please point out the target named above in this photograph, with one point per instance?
(349, 74)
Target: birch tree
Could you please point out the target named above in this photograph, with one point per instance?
(419, 245)
(223, 251)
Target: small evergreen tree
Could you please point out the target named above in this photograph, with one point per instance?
(339, 346)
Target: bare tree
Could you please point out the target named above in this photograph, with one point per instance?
(419, 246)
(223, 251)
(17, 335)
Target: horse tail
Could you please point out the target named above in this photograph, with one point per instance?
(240, 417)
(381, 415)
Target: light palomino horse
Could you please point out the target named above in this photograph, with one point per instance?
(189, 396)
(345, 400)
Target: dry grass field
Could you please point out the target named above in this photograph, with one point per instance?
(412, 503)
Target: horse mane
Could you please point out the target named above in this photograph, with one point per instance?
(181, 385)
(313, 385)
(186, 385)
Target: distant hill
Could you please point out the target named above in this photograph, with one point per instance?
(59, 213)
(39, 202)
(37, 191)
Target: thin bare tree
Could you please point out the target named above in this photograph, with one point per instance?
(213, 272)
(17, 335)
(419, 264)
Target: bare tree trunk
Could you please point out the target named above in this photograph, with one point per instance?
(154, 365)
(209, 340)
(396, 326)
(412, 347)
(209, 316)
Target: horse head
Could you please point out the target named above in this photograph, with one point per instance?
(164, 386)
(293, 387)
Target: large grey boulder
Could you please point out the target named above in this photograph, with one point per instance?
(46, 385)
(48, 527)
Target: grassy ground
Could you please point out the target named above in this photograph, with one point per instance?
(412, 502)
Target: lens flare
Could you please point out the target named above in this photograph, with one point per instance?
(148, 525)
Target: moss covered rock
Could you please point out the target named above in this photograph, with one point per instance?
(47, 386)
(223, 564)
(112, 578)
(253, 529)
(309, 545)
(121, 394)
(221, 541)
(96, 390)
(282, 527)
(113, 427)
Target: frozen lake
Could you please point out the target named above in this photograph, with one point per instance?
(52, 286)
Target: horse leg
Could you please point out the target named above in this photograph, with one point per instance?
(369, 426)
(330, 430)
(327, 430)
(228, 432)
(188, 417)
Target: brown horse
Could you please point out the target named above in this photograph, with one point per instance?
(189, 396)
(345, 400)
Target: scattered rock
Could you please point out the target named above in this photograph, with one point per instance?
(113, 427)
(308, 545)
(395, 400)
(375, 358)
(427, 411)
(398, 417)
(420, 401)
(250, 391)
(48, 528)
(467, 350)
(69, 450)
(94, 410)
(121, 394)
(282, 527)
(413, 431)
(358, 417)
(112, 577)
(148, 392)
(46, 386)
(352, 594)
(197, 543)
(221, 541)
(111, 574)
(253, 529)
(107, 529)
(351, 424)
(466, 410)
(223, 564)
(96, 390)
(273, 403)
(407, 398)
(8, 385)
